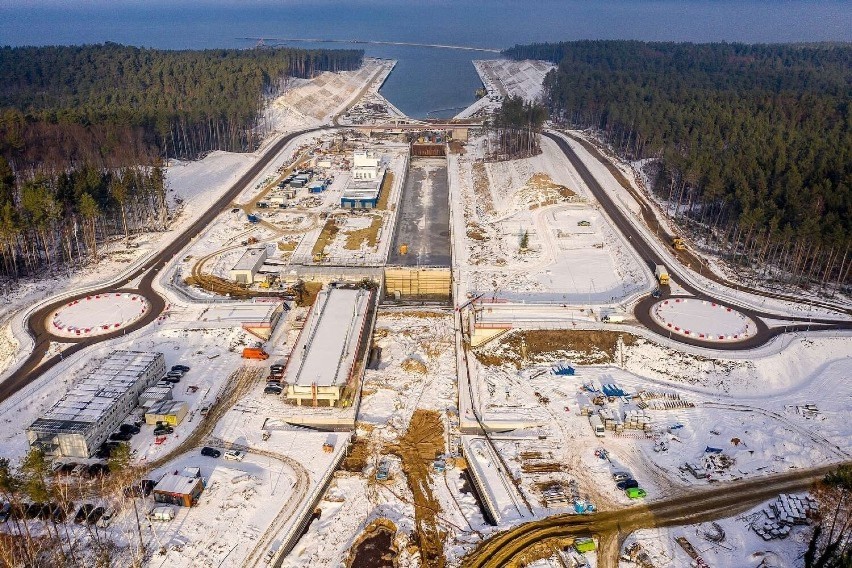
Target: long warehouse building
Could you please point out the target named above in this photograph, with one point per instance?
(84, 418)
(324, 357)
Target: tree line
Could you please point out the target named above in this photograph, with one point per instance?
(513, 131)
(84, 130)
(751, 144)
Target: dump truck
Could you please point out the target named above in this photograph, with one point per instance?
(678, 243)
(597, 425)
(662, 274)
(255, 353)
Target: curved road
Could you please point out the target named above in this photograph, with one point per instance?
(706, 504)
(35, 365)
(643, 248)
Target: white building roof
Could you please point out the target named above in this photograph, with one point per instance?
(251, 259)
(259, 310)
(167, 407)
(176, 483)
(364, 189)
(328, 344)
(96, 393)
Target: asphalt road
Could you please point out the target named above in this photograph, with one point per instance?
(34, 366)
(423, 221)
(651, 258)
(702, 505)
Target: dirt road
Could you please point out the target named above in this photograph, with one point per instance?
(699, 505)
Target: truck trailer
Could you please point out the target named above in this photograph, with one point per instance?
(597, 425)
(662, 274)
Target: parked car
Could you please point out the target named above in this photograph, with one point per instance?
(181, 368)
(627, 484)
(210, 452)
(83, 513)
(57, 512)
(95, 515)
(171, 380)
(106, 518)
(141, 488)
(636, 493)
(46, 511)
(129, 428)
(163, 430)
(120, 436)
(173, 374)
(276, 369)
(272, 388)
(234, 455)
(80, 470)
(98, 469)
(621, 476)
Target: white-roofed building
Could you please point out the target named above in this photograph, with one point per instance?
(324, 358)
(94, 408)
(247, 266)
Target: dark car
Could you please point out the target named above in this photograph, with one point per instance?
(95, 515)
(83, 513)
(210, 452)
(627, 484)
(129, 428)
(172, 380)
(98, 470)
(141, 488)
(120, 436)
(33, 510)
(19, 510)
(276, 369)
(57, 512)
(163, 430)
(181, 368)
(273, 389)
(47, 511)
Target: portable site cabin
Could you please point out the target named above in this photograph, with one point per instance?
(179, 489)
(316, 187)
(172, 412)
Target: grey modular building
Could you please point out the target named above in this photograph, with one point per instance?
(84, 418)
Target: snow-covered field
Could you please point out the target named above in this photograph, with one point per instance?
(505, 77)
(572, 254)
(739, 547)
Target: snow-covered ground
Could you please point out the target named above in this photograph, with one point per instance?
(628, 203)
(726, 543)
(314, 102)
(702, 319)
(572, 254)
(98, 314)
(505, 77)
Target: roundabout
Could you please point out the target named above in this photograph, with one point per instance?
(97, 314)
(703, 319)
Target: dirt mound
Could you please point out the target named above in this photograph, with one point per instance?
(414, 366)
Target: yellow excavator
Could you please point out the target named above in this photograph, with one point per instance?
(678, 243)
